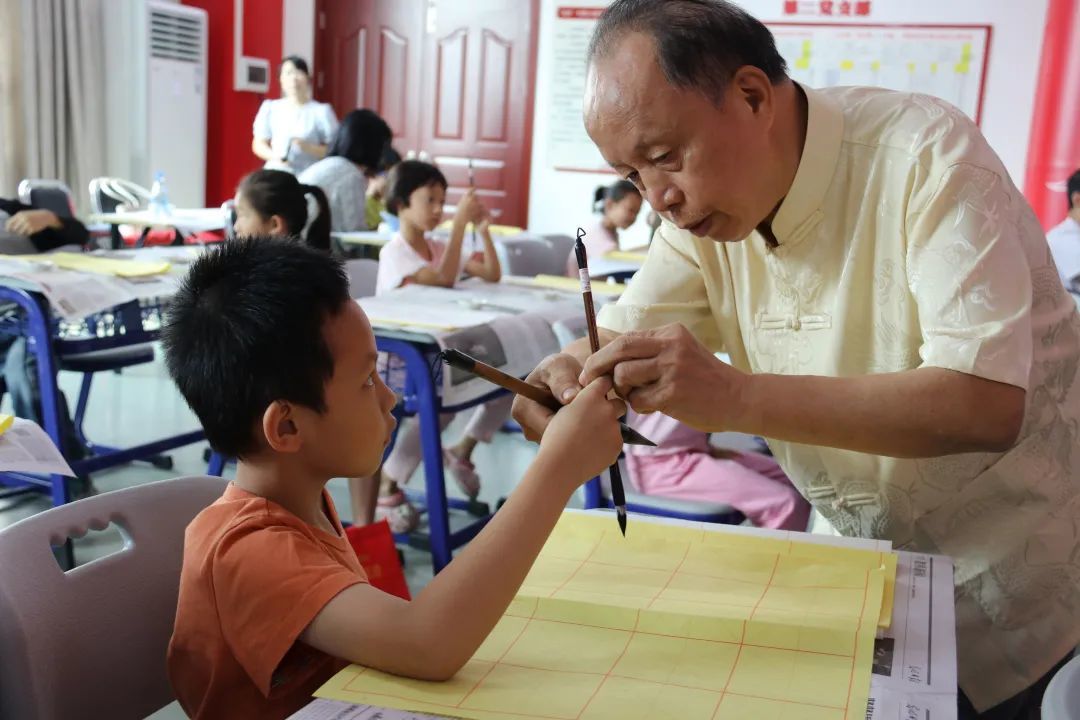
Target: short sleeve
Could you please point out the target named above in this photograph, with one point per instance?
(669, 288)
(397, 261)
(970, 277)
(261, 128)
(328, 123)
(269, 584)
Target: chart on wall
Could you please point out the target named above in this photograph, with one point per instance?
(945, 61)
(948, 61)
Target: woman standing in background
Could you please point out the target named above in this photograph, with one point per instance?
(293, 132)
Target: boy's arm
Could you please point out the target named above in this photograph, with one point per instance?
(433, 636)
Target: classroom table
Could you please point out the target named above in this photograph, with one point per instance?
(117, 337)
(186, 221)
(415, 322)
(914, 672)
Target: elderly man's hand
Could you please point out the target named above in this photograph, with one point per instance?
(31, 222)
(558, 374)
(667, 370)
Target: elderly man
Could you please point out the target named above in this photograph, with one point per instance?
(895, 323)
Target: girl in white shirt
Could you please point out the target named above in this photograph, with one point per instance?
(293, 132)
(415, 193)
(618, 206)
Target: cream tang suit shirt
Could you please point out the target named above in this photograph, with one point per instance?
(904, 244)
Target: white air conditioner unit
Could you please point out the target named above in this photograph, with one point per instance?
(155, 90)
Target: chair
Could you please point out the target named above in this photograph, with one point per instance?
(362, 276)
(529, 257)
(1061, 701)
(107, 194)
(597, 495)
(47, 195)
(91, 642)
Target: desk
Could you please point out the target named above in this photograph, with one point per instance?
(186, 221)
(914, 673)
(364, 238)
(510, 327)
(118, 337)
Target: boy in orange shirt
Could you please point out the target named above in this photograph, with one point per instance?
(279, 365)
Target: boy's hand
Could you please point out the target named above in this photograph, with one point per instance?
(584, 436)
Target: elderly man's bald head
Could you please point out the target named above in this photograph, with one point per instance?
(699, 44)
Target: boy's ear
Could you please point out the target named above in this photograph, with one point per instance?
(279, 427)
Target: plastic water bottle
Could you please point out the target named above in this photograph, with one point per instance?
(159, 196)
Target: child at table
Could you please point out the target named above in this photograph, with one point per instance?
(279, 364)
(375, 202)
(275, 203)
(618, 206)
(684, 466)
(415, 193)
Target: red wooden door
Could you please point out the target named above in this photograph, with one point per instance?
(479, 70)
(454, 80)
(368, 54)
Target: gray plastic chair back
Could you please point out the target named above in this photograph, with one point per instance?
(363, 274)
(1062, 698)
(47, 195)
(528, 257)
(91, 642)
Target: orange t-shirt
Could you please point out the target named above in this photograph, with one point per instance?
(254, 577)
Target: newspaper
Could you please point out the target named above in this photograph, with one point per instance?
(25, 447)
(321, 709)
(914, 671)
(74, 295)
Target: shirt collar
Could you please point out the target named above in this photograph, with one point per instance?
(821, 152)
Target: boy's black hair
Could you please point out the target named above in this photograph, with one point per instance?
(362, 137)
(246, 329)
(405, 178)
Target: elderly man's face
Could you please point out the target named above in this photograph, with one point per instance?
(704, 168)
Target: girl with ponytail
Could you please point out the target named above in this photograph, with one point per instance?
(274, 202)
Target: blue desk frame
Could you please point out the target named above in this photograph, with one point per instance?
(421, 399)
(42, 341)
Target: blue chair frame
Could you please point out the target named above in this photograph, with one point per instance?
(50, 351)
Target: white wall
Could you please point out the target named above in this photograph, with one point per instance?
(559, 201)
(298, 29)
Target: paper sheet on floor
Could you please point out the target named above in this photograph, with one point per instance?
(669, 622)
(25, 447)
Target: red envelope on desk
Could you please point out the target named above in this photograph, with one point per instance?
(374, 546)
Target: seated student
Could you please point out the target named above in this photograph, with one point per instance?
(376, 189)
(25, 230)
(684, 466)
(1064, 238)
(415, 193)
(280, 367)
(618, 206)
(274, 202)
(353, 155)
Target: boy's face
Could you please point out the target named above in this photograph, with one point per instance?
(425, 207)
(348, 439)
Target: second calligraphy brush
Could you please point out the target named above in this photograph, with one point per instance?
(618, 495)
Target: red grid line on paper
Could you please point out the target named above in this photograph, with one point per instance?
(690, 573)
(855, 644)
(742, 638)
